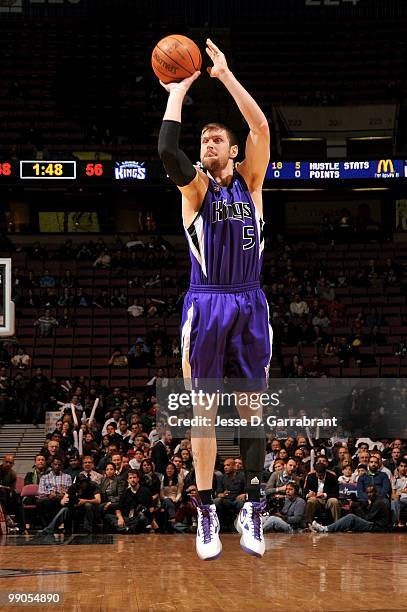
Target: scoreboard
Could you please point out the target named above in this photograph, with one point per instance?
(144, 172)
(95, 171)
(339, 170)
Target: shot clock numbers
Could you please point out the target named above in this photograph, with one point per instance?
(40, 169)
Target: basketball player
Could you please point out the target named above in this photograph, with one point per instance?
(225, 323)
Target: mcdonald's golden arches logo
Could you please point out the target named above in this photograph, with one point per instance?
(385, 166)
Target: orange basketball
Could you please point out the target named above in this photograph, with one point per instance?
(175, 57)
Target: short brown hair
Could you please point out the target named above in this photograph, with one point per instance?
(220, 126)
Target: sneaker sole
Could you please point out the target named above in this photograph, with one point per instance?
(251, 552)
(211, 558)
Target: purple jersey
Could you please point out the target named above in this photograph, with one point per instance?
(226, 237)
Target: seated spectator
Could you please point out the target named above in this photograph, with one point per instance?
(90, 446)
(114, 437)
(292, 368)
(322, 493)
(362, 455)
(67, 298)
(106, 453)
(373, 477)
(292, 515)
(111, 402)
(151, 309)
(150, 479)
(66, 441)
(74, 465)
(101, 299)
(46, 280)
(112, 488)
(39, 469)
(175, 350)
(382, 468)
(324, 290)
(182, 472)
(375, 337)
(136, 440)
(230, 493)
(373, 317)
(123, 430)
(84, 253)
(52, 450)
(336, 319)
(315, 369)
(9, 498)
(37, 252)
(342, 455)
(186, 515)
(298, 306)
(135, 511)
(88, 469)
(136, 310)
(79, 503)
(121, 467)
(82, 298)
(399, 493)
(66, 321)
(187, 461)
(139, 358)
(103, 261)
(118, 299)
(392, 463)
(272, 449)
(159, 381)
(361, 469)
(49, 298)
(283, 474)
(52, 488)
(46, 324)
(346, 477)
(68, 281)
(118, 359)
(171, 490)
(136, 461)
(371, 515)
(21, 359)
(66, 250)
(321, 319)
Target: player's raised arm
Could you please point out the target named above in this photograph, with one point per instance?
(257, 153)
(179, 168)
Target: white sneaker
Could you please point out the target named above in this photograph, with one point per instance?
(250, 527)
(208, 544)
(318, 528)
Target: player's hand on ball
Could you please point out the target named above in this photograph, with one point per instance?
(220, 66)
(183, 85)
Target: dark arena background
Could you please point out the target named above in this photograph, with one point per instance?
(94, 268)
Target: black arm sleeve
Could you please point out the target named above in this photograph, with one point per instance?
(179, 168)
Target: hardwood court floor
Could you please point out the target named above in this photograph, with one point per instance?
(150, 573)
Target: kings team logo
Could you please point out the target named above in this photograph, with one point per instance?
(130, 170)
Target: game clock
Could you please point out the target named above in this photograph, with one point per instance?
(40, 169)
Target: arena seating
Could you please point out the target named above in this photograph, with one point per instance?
(67, 104)
(84, 350)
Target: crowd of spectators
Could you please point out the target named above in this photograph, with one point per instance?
(131, 476)
(307, 312)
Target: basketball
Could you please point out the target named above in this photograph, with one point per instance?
(175, 57)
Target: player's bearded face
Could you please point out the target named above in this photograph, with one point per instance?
(216, 151)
